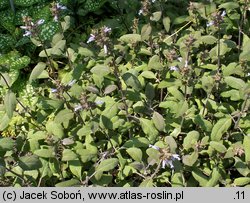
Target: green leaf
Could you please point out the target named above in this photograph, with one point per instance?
(86, 155)
(68, 183)
(147, 183)
(130, 38)
(4, 122)
(68, 155)
(181, 19)
(154, 63)
(241, 167)
(137, 142)
(156, 16)
(166, 22)
(58, 48)
(109, 89)
(218, 146)
(31, 162)
(66, 23)
(75, 167)
(177, 180)
(200, 177)
(233, 94)
(176, 93)
(241, 181)
(45, 153)
(149, 129)
(101, 70)
(214, 178)
(229, 5)
(208, 39)
(135, 153)
(107, 165)
(86, 52)
(6, 144)
(203, 123)
(64, 115)
(236, 83)
(55, 129)
(191, 139)
(148, 74)
(132, 81)
(10, 103)
(159, 121)
(37, 71)
(182, 108)
(246, 145)
(220, 128)
(189, 160)
(146, 31)
(171, 142)
(150, 91)
(209, 67)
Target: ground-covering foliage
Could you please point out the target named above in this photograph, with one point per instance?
(124, 93)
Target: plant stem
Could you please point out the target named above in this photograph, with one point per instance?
(242, 21)
(116, 73)
(20, 103)
(241, 112)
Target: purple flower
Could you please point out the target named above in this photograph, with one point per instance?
(107, 29)
(223, 14)
(91, 38)
(72, 82)
(99, 102)
(210, 23)
(169, 162)
(77, 108)
(105, 48)
(27, 33)
(60, 7)
(53, 90)
(140, 12)
(173, 68)
(41, 21)
(154, 147)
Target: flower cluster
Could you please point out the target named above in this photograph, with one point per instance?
(167, 158)
(145, 9)
(60, 88)
(101, 37)
(85, 104)
(55, 10)
(217, 19)
(31, 28)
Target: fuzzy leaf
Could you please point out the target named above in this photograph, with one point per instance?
(246, 144)
(166, 22)
(130, 38)
(6, 144)
(218, 146)
(159, 121)
(135, 153)
(220, 128)
(29, 162)
(10, 103)
(132, 81)
(107, 165)
(149, 129)
(37, 71)
(191, 139)
(68, 155)
(242, 181)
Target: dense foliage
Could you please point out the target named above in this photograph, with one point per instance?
(124, 93)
